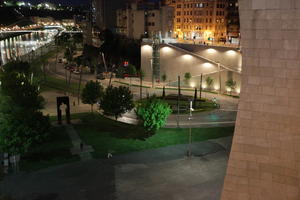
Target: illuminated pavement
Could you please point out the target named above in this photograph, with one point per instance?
(160, 174)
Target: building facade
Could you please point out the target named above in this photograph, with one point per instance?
(200, 19)
(136, 21)
(233, 20)
(264, 161)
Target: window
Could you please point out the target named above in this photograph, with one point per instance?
(178, 5)
(178, 13)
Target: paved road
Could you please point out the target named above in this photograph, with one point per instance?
(160, 174)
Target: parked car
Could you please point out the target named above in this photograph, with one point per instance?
(100, 77)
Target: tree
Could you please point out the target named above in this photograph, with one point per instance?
(69, 55)
(131, 71)
(231, 84)
(92, 93)
(117, 101)
(164, 78)
(120, 72)
(153, 113)
(19, 99)
(209, 81)
(187, 77)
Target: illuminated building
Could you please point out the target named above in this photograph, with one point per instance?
(233, 21)
(145, 20)
(200, 19)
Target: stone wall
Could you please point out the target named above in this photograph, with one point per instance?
(264, 162)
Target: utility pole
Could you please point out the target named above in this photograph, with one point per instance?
(219, 69)
(178, 102)
(79, 85)
(189, 153)
(201, 77)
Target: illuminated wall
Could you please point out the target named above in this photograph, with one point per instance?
(176, 62)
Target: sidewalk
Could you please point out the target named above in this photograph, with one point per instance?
(79, 148)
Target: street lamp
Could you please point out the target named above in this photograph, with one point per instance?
(189, 152)
(152, 71)
(219, 72)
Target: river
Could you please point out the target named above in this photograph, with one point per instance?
(20, 45)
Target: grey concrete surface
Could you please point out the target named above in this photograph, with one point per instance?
(158, 174)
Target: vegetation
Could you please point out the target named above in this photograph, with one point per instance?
(209, 81)
(164, 78)
(153, 113)
(118, 48)
(117, 101)
(20, 98)
(105, 134)
(92, 93)
(231, 84)
(187, 77)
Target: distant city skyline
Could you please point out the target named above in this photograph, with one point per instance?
(68, 2)
(63, 2)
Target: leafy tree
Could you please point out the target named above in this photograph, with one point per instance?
(69, 55)
(153, 113)
(231, 84)
(209, 81)
(19, 99)
(117, 101)
(164, 78)
(187, 77)
(92, 93)
(131, 71)
(120, 72)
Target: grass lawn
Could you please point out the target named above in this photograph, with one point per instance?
(105, 134)
(52, 82)
(53, 152)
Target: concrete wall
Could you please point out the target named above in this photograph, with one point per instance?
(230, 57)
(138, 23)
(264, 161)
(176, 62)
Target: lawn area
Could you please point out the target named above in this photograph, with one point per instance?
(52, 82)
(105, 134)
(53, 152)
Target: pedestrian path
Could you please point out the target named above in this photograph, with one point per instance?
(79, 148)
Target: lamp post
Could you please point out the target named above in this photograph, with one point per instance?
(189, 152)
(219, 72)
(152, 71)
